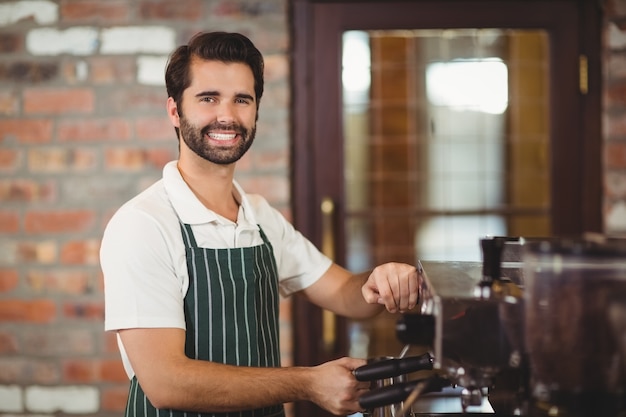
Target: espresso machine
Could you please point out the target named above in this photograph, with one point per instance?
(538, 328)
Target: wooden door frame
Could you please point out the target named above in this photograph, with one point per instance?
(576, 159)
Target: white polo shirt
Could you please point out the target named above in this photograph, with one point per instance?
(143, 256)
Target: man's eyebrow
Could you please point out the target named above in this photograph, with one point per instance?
(207, 93)
(245, 96)
(217, 94)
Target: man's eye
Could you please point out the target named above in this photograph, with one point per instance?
(207, 99)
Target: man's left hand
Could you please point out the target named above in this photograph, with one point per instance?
(395, 285)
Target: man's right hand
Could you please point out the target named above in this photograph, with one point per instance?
(335, 388)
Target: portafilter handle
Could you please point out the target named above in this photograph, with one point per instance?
(393, 367)
(395, 394)
(492, 256)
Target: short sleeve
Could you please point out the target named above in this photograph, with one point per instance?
(141, 286)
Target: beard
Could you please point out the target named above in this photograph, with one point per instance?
(194, 137)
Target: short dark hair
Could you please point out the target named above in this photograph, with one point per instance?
(214, 46)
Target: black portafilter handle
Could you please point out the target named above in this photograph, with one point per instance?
(393, 367)
(492, 255)
(396, 393)
(492, 249)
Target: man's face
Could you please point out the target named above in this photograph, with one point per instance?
(218, 119)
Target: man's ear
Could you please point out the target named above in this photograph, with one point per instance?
(172, 112)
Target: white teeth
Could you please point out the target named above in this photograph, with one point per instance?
(222, 136)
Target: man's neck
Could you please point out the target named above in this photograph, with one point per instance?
(212, 184)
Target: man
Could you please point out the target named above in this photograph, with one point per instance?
(193, 266)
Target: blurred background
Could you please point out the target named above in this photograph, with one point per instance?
(83, 129)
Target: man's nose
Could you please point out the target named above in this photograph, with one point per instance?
(226, 113)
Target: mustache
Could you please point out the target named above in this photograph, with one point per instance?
(236, 127)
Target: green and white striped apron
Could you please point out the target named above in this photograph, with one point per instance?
(231, 313)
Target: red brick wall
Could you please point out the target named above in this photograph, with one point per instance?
(82, 129)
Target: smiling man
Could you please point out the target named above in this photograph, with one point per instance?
(194, 266)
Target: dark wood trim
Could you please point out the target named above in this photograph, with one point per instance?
(564, 131)
(307, 318)
(591, 17)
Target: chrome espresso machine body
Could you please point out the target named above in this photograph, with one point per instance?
(500, 332)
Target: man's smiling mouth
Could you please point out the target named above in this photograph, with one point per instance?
(222, 136)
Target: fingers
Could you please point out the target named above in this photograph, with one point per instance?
(339, 391)
(395, 285)
(408, 294)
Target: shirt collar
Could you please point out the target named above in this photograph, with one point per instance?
(190, 210)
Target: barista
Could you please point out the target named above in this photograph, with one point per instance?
(193, 266)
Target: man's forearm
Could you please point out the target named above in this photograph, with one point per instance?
(357, 307)
(340, 291)
(200, 386)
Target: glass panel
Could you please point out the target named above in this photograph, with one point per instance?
(446, 141)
